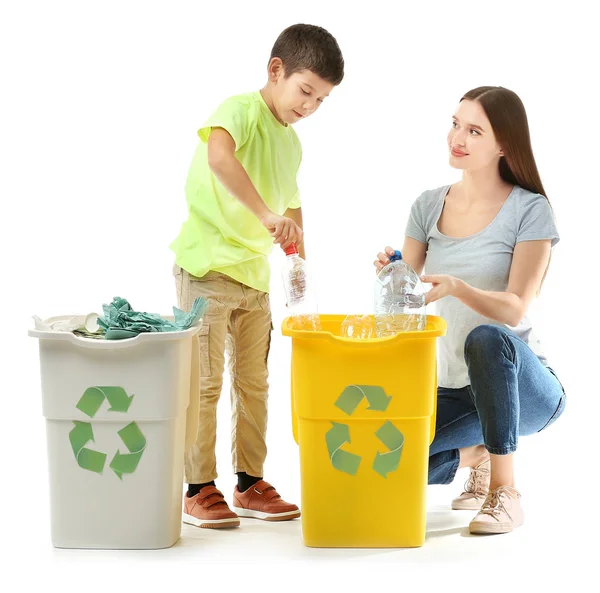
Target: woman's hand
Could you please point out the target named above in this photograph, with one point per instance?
(383, 259)
(443, 286)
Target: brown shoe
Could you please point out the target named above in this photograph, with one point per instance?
(476, 489)
(208, 509)
(262, 501)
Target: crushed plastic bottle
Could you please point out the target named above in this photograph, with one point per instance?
(399, 299)
(300, 292)
(358, 327)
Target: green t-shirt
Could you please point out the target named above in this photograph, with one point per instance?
(220, 233)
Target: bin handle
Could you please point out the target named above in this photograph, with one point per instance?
(434, 413)
(293, 399)
(112, 344)
(327, 335)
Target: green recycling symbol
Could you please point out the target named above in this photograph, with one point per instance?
(131, 435)
(339, 434)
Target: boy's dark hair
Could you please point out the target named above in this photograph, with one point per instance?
(308, 47)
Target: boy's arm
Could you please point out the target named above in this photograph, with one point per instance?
(233, 176)
(296, 215)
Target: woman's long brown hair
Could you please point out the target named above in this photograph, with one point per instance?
(506, 113)
(508, 118)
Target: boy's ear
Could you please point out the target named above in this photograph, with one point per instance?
(275, 69)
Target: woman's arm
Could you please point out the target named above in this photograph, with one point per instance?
(530, 260)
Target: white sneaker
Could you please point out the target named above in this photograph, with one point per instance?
(476, 489)
(500, 513)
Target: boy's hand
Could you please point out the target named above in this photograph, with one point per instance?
(283, 230)
(383, 259)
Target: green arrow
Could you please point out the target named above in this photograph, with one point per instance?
(349, 399)
(343, 461)
(337, 436)
(390, 436)
(86, 458)
(91, 460)
(93, 397)
(393, 439)
(346, 462)
(387, 462)
(117, 398)
(353, 395)
(376, 397)
(80, 435)
(90, 401)
(133, 438)
(135, 442)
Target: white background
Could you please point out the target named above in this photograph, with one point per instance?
(100, 103)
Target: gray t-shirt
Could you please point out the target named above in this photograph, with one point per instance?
(482, 260)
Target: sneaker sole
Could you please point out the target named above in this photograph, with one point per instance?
(214, 524)
(466, 506)
(247, 513)
(491, 529)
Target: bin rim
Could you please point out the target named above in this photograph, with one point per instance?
(437, 329)
(102, 344)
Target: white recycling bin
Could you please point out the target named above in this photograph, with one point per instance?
(117, 415)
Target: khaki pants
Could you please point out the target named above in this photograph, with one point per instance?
(238, 318)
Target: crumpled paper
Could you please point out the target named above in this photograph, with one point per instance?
(120, 321)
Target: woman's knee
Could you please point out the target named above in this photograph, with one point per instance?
(484, 341)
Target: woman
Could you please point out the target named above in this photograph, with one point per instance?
(485, 243)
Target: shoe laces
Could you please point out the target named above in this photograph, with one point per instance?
(477, 483)
(494, 504)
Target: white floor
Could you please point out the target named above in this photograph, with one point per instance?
(549, 549)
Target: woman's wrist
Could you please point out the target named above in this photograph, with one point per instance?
(461, 288)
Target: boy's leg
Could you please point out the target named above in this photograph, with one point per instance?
(200, 460)
(248, 346)
(204, 505)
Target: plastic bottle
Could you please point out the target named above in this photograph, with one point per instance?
(300, 292)
(399, 299)
(358, 327)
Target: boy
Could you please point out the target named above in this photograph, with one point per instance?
(242, 197)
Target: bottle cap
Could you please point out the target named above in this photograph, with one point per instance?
(291, 249)
(396, 257)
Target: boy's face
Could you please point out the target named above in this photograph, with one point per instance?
(299, 95)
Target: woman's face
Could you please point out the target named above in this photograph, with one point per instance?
(471, 140)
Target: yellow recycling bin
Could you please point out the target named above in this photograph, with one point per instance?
(363, 416)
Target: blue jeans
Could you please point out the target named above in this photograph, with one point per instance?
(511, 394)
